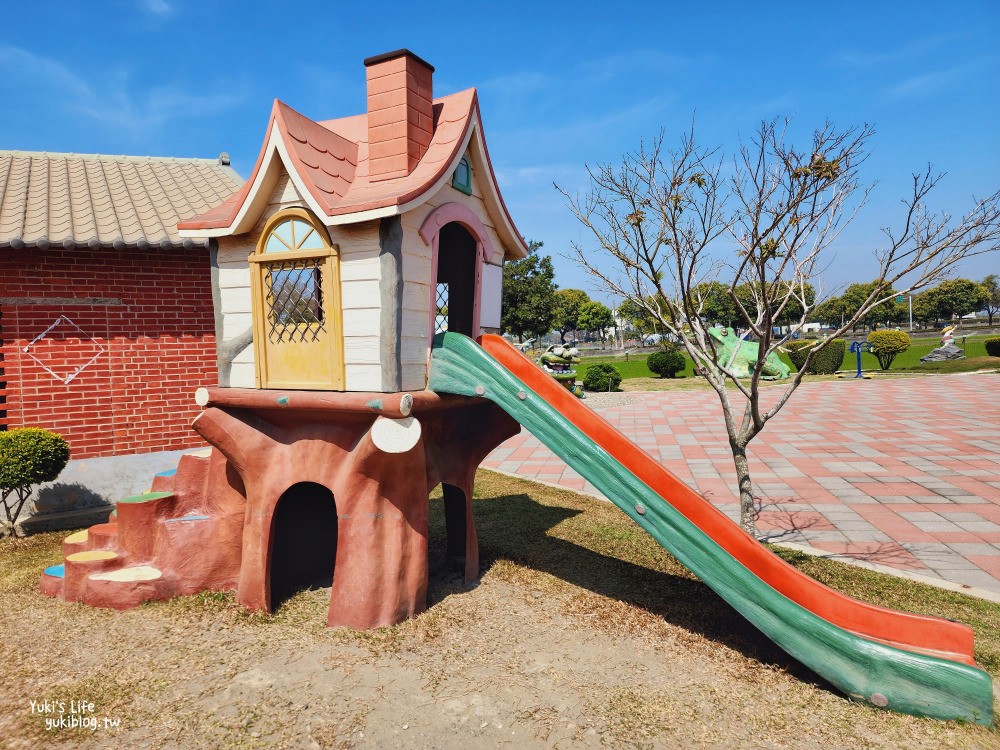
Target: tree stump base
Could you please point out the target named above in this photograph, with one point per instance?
(302, 488)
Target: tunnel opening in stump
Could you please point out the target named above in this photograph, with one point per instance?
(303, 541)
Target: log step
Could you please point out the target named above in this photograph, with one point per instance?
(75, 542)
(102, 536)
(134, 574)
(190, 517)
(52, 580)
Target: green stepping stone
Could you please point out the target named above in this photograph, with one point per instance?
(145, 497)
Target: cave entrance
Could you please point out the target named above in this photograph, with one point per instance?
(303, 541)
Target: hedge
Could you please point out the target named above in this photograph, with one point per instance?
(825, 362)
(28, 456)
(993, 346)
(887, 344)
(602, 377)
(666, 364)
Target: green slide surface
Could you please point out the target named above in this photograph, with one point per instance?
(867, 671)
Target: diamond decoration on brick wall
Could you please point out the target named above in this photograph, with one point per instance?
(64, 363)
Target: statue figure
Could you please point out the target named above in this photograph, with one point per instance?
(746, 356)
(947, 350)
(557, 361)
(947, 335)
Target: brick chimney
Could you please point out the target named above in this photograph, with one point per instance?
(400, 113)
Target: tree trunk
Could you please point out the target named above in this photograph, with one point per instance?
(747, 510)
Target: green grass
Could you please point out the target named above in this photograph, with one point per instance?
(909, 361)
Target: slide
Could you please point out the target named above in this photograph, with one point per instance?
(896, 660)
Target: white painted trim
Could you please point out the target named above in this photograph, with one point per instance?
(261, 191)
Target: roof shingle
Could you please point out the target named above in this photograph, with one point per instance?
(90, 199)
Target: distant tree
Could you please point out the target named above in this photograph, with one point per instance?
(596, 318)
(636, 316)
(717, 305)
(925, 308)
(528, 304)
(889, 311)
(992, 286)
(830, 312)
(568, 304)
(958, 297)
(747, 295)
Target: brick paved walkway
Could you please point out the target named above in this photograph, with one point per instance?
(902, 473)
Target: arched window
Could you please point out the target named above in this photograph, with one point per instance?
(298, 340)
(462, 178)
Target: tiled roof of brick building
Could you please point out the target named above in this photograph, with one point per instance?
(68, 200)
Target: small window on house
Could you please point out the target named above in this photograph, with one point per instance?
(293, 234)
(462, 179)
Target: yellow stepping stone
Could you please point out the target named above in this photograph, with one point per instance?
(92, 555)
(78, 538)
(129, 575)
(203, 453)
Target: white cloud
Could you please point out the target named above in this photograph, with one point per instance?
(928, 83)
(157, 7)
(910, 52)
(109, 103)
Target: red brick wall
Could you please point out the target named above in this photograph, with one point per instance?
(144, 340)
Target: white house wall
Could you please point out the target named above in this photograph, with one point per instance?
(417, 297)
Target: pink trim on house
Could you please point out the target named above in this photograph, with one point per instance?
(430, 233)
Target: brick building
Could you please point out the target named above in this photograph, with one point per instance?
(107, 320)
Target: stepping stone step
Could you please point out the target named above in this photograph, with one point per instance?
(163, 481)
(91, 555)
(127, 587)
(79, 565)
(75, 542)
(134, 574)
(146, 497)
(137, 521)
(192, 517)
(52, 580)
(102, 536)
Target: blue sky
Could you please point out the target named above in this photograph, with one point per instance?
(561, 85)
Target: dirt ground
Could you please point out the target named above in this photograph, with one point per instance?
(562, 645)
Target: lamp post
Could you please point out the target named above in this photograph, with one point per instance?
(910, 298)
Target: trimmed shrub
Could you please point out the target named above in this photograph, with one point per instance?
(28, 456)
(602, 377)
(993, 346)
(887, 344)
(666, 364)
(826, 362)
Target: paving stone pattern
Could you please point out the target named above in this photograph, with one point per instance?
(903, 473)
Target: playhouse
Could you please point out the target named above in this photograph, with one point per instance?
(353, 242)
(355, 239)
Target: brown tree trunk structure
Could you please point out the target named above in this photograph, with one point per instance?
(301, 486)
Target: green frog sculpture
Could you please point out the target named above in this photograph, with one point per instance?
(558, 362)
(746, 355)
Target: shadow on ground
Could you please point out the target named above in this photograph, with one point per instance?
(519, 529)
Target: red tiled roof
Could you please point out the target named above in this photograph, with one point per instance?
(89, 199)
(331, 158)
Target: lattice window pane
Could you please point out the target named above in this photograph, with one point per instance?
(441, 309)
(293, 291)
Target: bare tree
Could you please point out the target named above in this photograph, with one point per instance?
(672, 220)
